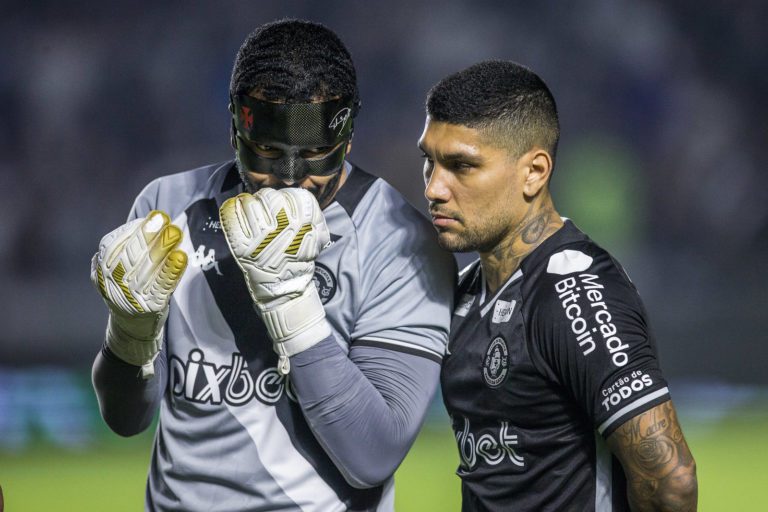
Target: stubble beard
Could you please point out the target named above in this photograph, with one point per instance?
(482, 238)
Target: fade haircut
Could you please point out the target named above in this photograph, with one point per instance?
(506, 101)
(294, 61)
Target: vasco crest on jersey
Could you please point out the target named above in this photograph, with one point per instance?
(325, 282)
(496, 363)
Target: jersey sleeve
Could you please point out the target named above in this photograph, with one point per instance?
(588, 331)
(146, 201)
(407, 286)
(365, 406)
(127, 402)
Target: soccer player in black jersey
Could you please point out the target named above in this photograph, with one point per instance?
(551, 379)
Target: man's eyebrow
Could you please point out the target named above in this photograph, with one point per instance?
(454, 156)
(459, 155)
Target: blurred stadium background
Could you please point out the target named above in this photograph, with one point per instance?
(664, 140)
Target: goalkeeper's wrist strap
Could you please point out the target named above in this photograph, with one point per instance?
(295, 325)
(138, 352)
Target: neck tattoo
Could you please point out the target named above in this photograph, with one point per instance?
(507, 257)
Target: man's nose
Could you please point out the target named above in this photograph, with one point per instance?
(437, 189)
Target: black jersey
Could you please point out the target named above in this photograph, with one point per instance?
(539, 374)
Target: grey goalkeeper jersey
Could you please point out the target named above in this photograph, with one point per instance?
(231, 434)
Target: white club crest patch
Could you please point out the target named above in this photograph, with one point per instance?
(496, 363)
(502, 311)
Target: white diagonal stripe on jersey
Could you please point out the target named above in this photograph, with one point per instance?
(603, 476)
(402, 344)
(288, 468)
(387, 503)
(291, 471)
(513, 278)
(634, 405)
(466, 269)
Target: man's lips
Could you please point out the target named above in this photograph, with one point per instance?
(441, 220)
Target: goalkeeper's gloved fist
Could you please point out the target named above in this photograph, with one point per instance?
(136, 270)
(275, 236)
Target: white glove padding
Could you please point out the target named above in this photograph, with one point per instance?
(275, 236)
(136, 270)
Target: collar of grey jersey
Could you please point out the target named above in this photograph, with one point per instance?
(232, 177)
(348, 196)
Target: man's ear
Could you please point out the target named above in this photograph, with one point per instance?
(538, 164)
(232, 133)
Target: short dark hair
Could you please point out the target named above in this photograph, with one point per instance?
(503, 98)
(294, 61)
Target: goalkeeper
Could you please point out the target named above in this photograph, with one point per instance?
(295, 371)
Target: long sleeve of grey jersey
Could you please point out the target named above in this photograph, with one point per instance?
(366, 408)
(146, 201)
(127, 402)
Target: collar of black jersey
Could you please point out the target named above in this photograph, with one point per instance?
(566, 234)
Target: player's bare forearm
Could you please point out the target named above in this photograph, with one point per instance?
(660, 470)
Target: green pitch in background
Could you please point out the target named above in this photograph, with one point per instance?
(727, 434)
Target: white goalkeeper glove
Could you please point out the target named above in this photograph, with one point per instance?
(136, 270)
(275, 236)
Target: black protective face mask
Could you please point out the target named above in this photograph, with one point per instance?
(292, 128)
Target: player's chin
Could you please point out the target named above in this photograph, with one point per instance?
(451, 241)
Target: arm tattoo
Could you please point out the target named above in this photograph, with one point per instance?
(659, 466)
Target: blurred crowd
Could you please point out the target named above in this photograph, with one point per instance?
(664, 135)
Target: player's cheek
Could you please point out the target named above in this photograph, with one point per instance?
(259, 180)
